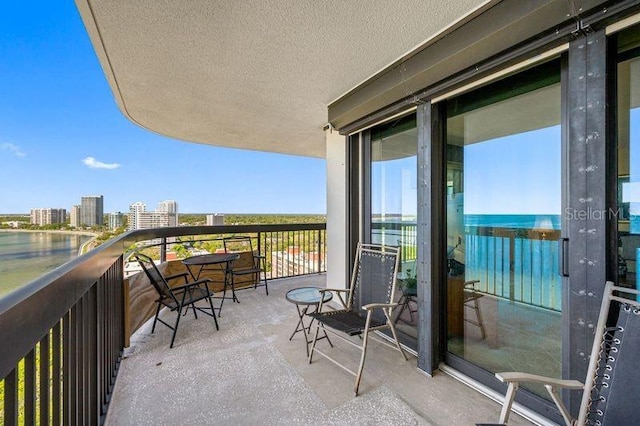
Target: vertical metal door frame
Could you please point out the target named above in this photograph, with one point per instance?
(586, 216)
(431, 238)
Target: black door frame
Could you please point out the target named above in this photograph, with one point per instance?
(589, 144)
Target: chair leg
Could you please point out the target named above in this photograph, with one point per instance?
(402, 302)
(395, 336)
(233, 289)
(508, 402)
(193, 306)
(313, 343)
(155, 320)
(213, 312)
(175, 328)
(411, 311)
(365, 340)
(479, 318)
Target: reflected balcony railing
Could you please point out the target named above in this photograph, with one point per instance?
(63, 334)
(517, 264)
(520, 265)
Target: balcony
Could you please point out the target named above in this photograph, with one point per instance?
(64, 355)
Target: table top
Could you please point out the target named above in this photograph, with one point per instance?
(210, 259)
(307, 296)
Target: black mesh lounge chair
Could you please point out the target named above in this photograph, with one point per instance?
(365, 309)
(178, 298)
(610, 394)
(255, 269)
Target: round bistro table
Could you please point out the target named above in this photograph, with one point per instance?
(306, 298)
(212, 262)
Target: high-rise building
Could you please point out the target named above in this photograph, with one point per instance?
(169, 207)
(215, 219)
(48, 216)
(136, 210)
(75, 216)
(115, 220)
(165, 215)
(92, 210)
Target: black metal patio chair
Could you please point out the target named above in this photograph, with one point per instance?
(366, 309)
(178, 298)
(255, 268)
(610, 392)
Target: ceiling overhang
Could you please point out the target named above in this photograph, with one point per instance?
(253, 75)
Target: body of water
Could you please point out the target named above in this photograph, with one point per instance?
(522, 221)
(25, 256)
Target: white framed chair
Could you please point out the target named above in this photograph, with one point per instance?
(611, 389)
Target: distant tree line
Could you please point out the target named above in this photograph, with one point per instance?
(254, 219)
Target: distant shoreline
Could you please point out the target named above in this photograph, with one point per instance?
(52, 231)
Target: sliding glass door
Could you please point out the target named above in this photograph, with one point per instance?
(503, 211)
(393, 184)
(628, 165)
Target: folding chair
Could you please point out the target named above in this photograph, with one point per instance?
(610, 392)
(377, 266)
(178, 297)
(254, 268)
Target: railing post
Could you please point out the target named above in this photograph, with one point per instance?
(260, 244)
(163, 250)
(512, 277)
(320, 256)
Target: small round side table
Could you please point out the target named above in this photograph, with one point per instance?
(306, 298)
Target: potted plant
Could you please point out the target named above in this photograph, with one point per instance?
(410, 282)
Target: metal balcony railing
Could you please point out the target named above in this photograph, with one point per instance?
(63, 334)
(516, 264)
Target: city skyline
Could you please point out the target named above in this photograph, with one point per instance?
(62, 136)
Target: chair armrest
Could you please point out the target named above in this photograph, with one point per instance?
(191, 284)
(514, 378)
(470, 285)
(338, 292)
(259, 256)
(534, 378)
(371, 306)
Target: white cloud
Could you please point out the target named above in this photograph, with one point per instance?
(92, 163)
(13, 149)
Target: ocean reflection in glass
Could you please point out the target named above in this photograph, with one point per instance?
(503, 200)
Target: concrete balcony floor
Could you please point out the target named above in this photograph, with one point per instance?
(249, 373)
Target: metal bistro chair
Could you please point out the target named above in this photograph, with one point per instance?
(610, 394)
(377, 266)
(178, 297)
(470, 301)
(256, 268)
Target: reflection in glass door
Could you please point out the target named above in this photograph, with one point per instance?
(628, 213)
(504, 205)
(394, 148)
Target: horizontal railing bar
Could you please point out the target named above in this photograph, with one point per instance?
(29, 313)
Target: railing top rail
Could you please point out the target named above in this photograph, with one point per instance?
(28, 313)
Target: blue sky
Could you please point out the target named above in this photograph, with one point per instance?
(62, 136)
(522, 171)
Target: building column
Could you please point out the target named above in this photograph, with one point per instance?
(336, 146)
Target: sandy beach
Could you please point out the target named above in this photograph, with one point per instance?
(51, 231)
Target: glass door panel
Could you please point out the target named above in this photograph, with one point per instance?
(504, 181)
(628, 213)
(394, 150)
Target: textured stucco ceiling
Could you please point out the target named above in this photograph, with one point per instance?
(252, 74)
